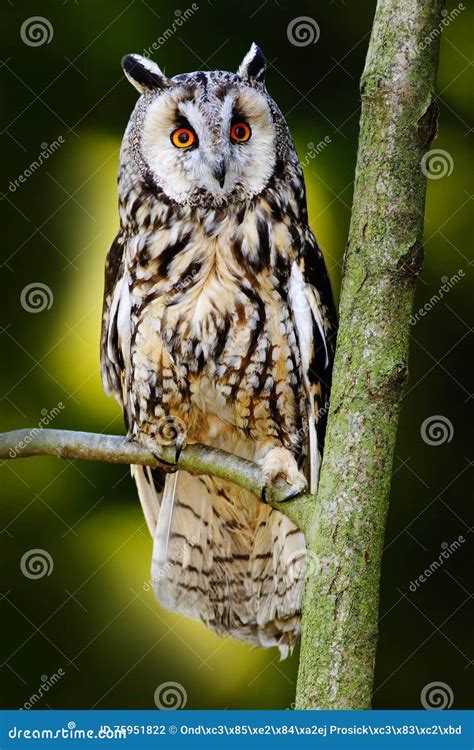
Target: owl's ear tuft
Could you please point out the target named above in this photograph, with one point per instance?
(252, 67)
(144, 74)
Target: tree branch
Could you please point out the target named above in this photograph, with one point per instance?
(197, 459)
(345, 531)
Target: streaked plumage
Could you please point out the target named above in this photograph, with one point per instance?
(219, 323)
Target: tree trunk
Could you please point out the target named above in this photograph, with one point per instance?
(345, 530)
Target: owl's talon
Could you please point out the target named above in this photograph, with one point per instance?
(291, 496)
(162, 460)
(179, 445)
(265, 495)
(280, 463)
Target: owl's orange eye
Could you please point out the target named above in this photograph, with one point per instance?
(240, 132)
(183, 138)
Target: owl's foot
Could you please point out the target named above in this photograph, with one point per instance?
(178, 446)
(171, 433)
(166, 449)
(280, 463)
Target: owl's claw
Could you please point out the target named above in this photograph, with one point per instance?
(285, 499)
(179, 445)
(161, 460)
(171, 435)
(291, 496)
(279, 462)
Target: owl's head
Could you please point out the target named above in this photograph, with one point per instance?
(206, 138)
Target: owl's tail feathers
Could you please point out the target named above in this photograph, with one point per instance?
(222, 556)
(148, 493)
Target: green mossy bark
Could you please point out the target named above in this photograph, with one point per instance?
(345, 529)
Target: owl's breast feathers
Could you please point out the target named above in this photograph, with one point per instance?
(204, 298)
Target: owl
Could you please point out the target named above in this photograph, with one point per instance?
(218, 328)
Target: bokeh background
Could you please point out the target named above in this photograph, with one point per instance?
(93, 620)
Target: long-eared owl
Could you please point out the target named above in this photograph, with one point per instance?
(218, 324)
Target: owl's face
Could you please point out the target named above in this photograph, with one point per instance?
(206, 138)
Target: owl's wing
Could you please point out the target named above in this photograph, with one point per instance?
(114, 348)
(314, 315)
(111, 357)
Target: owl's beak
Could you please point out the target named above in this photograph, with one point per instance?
(219, 173)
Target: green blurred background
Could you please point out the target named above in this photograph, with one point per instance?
(94, 616)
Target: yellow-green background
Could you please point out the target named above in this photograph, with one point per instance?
(93, 616)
